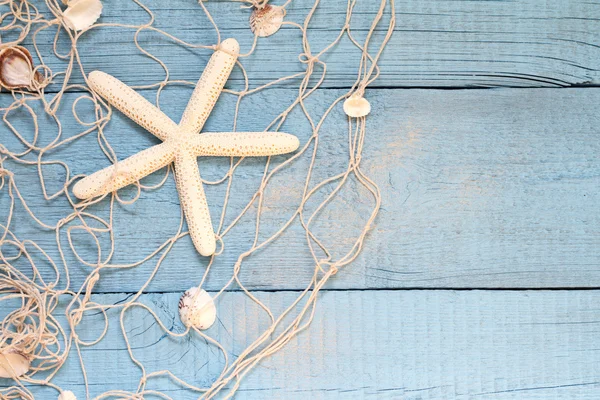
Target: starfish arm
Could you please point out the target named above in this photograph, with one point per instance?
(132, 104)
(244, 144)
(193, 202)
(209, 86)
(124, 172)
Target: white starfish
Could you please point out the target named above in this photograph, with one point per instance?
(181, 143)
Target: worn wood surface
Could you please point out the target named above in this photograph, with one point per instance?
(480, 188)
(492, 189)
(411, 345)
(528, 43)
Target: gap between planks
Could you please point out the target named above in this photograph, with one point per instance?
(374, 289)
(399, 87)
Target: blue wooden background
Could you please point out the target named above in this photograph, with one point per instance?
(481, 277)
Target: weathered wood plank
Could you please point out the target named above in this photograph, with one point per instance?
(383, 344)
(480, 188)
(436, 43)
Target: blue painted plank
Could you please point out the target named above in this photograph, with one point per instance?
(409, 345)
(436, 43)
(472, 196)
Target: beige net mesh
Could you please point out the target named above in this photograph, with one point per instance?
(31, 330)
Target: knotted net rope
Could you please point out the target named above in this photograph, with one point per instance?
(32, 327)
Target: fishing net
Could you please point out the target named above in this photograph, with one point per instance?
(48, 285)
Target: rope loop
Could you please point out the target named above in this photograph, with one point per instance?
(306, 59)
(273, 217)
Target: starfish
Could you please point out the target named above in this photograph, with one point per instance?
(181, 143)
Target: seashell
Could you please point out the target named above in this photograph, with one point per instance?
(81, 14)
(16, 68)
(197, 309)
(13, 364)
(267, 20)
(357, 106)
(67, 395)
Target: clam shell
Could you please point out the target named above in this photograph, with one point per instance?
(197, 309)
(13, 364)
(16, 68)
(356, 106)
(81, 14)
(67, 395)
(267, 20)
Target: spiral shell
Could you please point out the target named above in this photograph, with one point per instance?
(197, 309)
(267, 20)
(13, 364)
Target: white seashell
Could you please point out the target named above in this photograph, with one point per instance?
(197, 309)
(356, 106)
(81, 14)
(16, 68)
(13, 364)
(67, 395)
(267, 20)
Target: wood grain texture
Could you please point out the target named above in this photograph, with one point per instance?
(481, 188)
(410, 345)
(529, 43)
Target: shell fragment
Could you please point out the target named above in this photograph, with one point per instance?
(197, 309)
(13, 364)
(67, 395)
(81, 14)
(267, 20)
(357, 106)
(16, 68)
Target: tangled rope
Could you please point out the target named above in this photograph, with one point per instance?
(32, 329)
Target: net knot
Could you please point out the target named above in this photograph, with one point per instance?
(94, 278)
(307, 59)
(90, 286)
(5, 172)
(360, 92)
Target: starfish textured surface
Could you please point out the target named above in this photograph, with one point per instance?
(181, 143)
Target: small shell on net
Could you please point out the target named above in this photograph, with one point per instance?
(67, 395)
(357, 106)
(13, 364)
(16, 68)
(197, 309)
(267, 20)
(81, 14)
